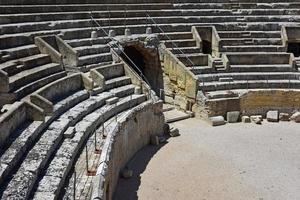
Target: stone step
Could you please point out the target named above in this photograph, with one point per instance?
(12, 40)
(185, 50)
(35, 85)
(20, 52)
(249, 34)
(175, 36)
(252, 48)
(250, 76)
(25, 77)
(80, 40)
(196, 59)
(79, 7)
(37, 26)
(35, 60)
(117, 82)
(252, 41)
(93, 49)
(17, 66)
(55, 16)
(94, 59)
(197, 70)
(111, 71)
(61, 15)
(180, 43)
(261, 68)
(252, 84)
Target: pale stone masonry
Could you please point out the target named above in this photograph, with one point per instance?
(69, 68)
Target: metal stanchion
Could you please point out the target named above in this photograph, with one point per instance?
(74, 185)
(87, 159)
(95, 137)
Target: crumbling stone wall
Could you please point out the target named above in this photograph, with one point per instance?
(252, 103)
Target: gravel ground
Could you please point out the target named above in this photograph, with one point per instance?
(235, 161)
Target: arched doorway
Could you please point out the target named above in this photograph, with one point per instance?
(147, 61)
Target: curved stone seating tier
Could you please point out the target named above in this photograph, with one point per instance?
(81, 14)
(72, 147)
(68, 102)
(35, 162)
(69, 24)
(171, 2)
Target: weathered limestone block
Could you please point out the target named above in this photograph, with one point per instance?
(70, 132)
(127, 32)
(233, 117)
(246, 119)
(257, 119)
(148, 30)
(217, 121)
(137, 90)
(112, 101)
(284, 117)
(272, 116)
(111, 33)
(296, 117)
(94, 34)
(174, 132)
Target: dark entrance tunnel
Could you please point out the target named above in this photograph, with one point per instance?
(207, 49)
(136, 57)
(294, 48)
(147, 62)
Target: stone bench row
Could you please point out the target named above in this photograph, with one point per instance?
(9, 9)
(81, 15)
(44, 2)
(50, 25)
(243, 69)
(251, 84)
(20, 39)
(230, 77)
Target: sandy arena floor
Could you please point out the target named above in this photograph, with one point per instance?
(231, 162)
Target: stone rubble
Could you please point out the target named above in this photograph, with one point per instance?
(273, 116)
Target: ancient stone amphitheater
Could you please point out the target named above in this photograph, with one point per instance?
(82, 82)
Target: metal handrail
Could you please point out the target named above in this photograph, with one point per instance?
(173, 44)
(121, 50)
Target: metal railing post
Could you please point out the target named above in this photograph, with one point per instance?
(86, 159)
(74, 185)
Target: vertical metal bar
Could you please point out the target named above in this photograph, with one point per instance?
(74, 185)
(86, 159)
(95, 141)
